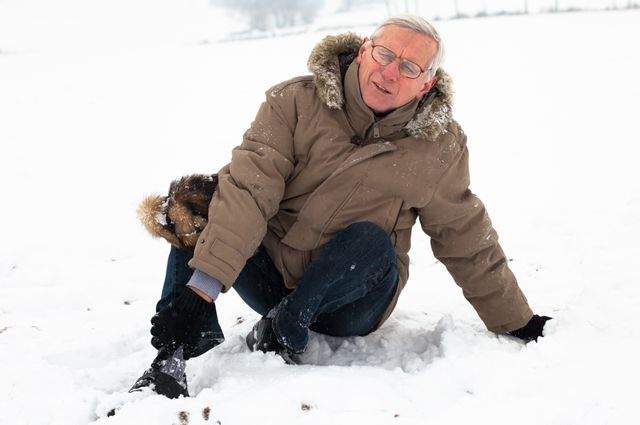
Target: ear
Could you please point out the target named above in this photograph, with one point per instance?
(426, 87)
(363, 48)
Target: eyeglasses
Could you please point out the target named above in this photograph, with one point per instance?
(384, 57)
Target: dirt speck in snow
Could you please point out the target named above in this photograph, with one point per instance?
(184, 417)
(305, 407)
(206, 412)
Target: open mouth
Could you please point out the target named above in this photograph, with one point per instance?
(380, 88)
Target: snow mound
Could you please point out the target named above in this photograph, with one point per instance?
(394, 346)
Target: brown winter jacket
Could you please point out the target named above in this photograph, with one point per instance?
(316, 159)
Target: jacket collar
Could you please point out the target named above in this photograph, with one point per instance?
(332, 58)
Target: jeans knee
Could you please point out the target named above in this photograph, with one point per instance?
(368, 234)
(365, 228)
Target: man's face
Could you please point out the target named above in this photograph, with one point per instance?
(384, 88)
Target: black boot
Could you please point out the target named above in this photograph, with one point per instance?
(262, 338)
(165, 376)
(161, 383)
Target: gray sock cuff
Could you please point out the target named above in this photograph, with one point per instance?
(207, 284)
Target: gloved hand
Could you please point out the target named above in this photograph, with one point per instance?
(532, 330)
(182, 322)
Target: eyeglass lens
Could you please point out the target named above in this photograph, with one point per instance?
(384, 57)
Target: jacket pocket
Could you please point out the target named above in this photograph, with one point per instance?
(341, 206)
(364, 203)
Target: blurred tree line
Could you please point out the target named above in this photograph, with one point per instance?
(263, 15)
(481, 8)
(268, 15)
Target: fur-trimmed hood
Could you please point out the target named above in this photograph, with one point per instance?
(327, 61)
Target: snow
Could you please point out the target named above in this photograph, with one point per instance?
(95, 116)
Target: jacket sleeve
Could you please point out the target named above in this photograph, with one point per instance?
(249, 192)
(463, 239)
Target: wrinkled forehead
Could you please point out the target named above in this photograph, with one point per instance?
(409, 44)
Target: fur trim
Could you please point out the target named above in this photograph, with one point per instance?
(194, 191)
(434, 113)
(152, 212)
(182, 215)
(325, 66)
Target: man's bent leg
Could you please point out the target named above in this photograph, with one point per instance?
(260, 284)
(356, 274)
(361, 316)
(177, 275)
(166, 376)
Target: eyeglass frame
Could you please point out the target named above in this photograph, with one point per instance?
(422, 71)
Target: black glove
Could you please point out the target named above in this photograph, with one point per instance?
(532, 330)
(182, 322)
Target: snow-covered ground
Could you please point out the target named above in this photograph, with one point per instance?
(92, 121)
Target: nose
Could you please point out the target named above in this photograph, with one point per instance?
(391, 71)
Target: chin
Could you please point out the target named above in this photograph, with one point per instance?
(379, 106)
(380, 110)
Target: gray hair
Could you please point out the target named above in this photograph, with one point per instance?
(421, 26)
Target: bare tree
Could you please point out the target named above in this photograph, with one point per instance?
(262, 15)
(457, 9)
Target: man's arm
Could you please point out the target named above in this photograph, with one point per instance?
(248, 194)
(249, 191)
(463, 239)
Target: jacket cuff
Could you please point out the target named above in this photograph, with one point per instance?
(207, 284)
(518, 322)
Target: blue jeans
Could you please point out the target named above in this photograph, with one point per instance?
(343, 293)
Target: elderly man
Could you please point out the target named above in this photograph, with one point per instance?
(311, 220)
